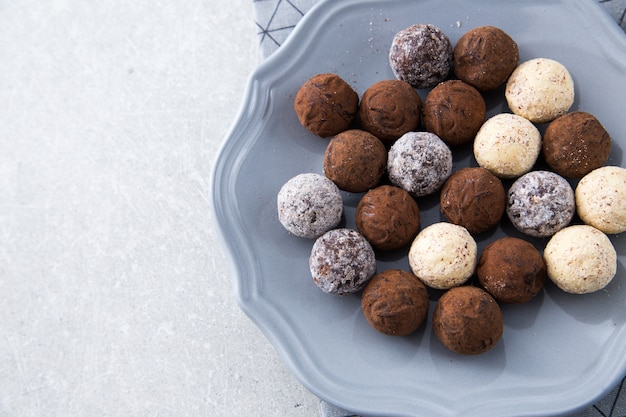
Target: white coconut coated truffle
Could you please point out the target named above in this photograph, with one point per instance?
(507, 145)
(540, 203)
(540, 90)
(580, 259)
(419, 163)
(601, 199)
(309, 205)
(342, 261)
(443, 255)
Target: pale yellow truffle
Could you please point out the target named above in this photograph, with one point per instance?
(443, 255)
(601, 199)
(580, 259)
(540, 90)
(507, 145)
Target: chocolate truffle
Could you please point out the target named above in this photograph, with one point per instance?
(388, 217)
(395, 302)
(326, 105)
(575, 144)
(443, 255)
(454, 111)
(580, 259)
(485, 57)
(421, 55)
(507, 145)
(389, 109)
(540, 90)
(419, 162)
(473, 198)
(342, 262)
(601, 199)
(512, 270)
(309, 205)
(467, 320)
(355, 160)
(540, 203)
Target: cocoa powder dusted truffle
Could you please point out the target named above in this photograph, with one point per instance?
(473, 198)
(395, 302)
(575, 144)
(485, 57)
(389, 109)
(512, 270)
(388, 217)
(355, 160)
(421, 55)
(326, 105)
(342, 261)
(419, 162)
(540, 203)
(454, 111)
(309, 205)
(467, 320)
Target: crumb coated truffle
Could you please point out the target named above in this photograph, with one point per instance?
(507, 145)
(395, 302)
(326, 105)
(580, 259)
(389, 109)
(419, 162)
(355, 160)
(342, 261)
(388, 217)
(454, 111)
(575, 144)
(443, 255)
(512, 270)
(467, 320)
(421, 55)
(601, 199)
(540, 203)
(540, 90)
(485, 57)
(473, 198)
(309, 205)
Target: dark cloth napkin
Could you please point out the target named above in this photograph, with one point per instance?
(275, 19)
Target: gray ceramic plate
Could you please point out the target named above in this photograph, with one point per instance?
(559, 352)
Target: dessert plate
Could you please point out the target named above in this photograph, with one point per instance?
(558, 353)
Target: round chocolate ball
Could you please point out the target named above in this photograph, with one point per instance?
(454, 111)
(395, 302)
(326, 105)
(388, 217)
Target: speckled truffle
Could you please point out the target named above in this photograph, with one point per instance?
(389, 109)
(507, 145)
(342, 261)
(580, 259)
(355, 160)
(395, 302)
(421, 55)
(540, 203)
(309, 205)
(454, 111)
(419, 162)
(388, 217)
(467, 320)
(601, 199)
(443, 255)
(473, 198)
(485, 57)
(540, 90)
(326, 105)
(575, 144)
(512, 270)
